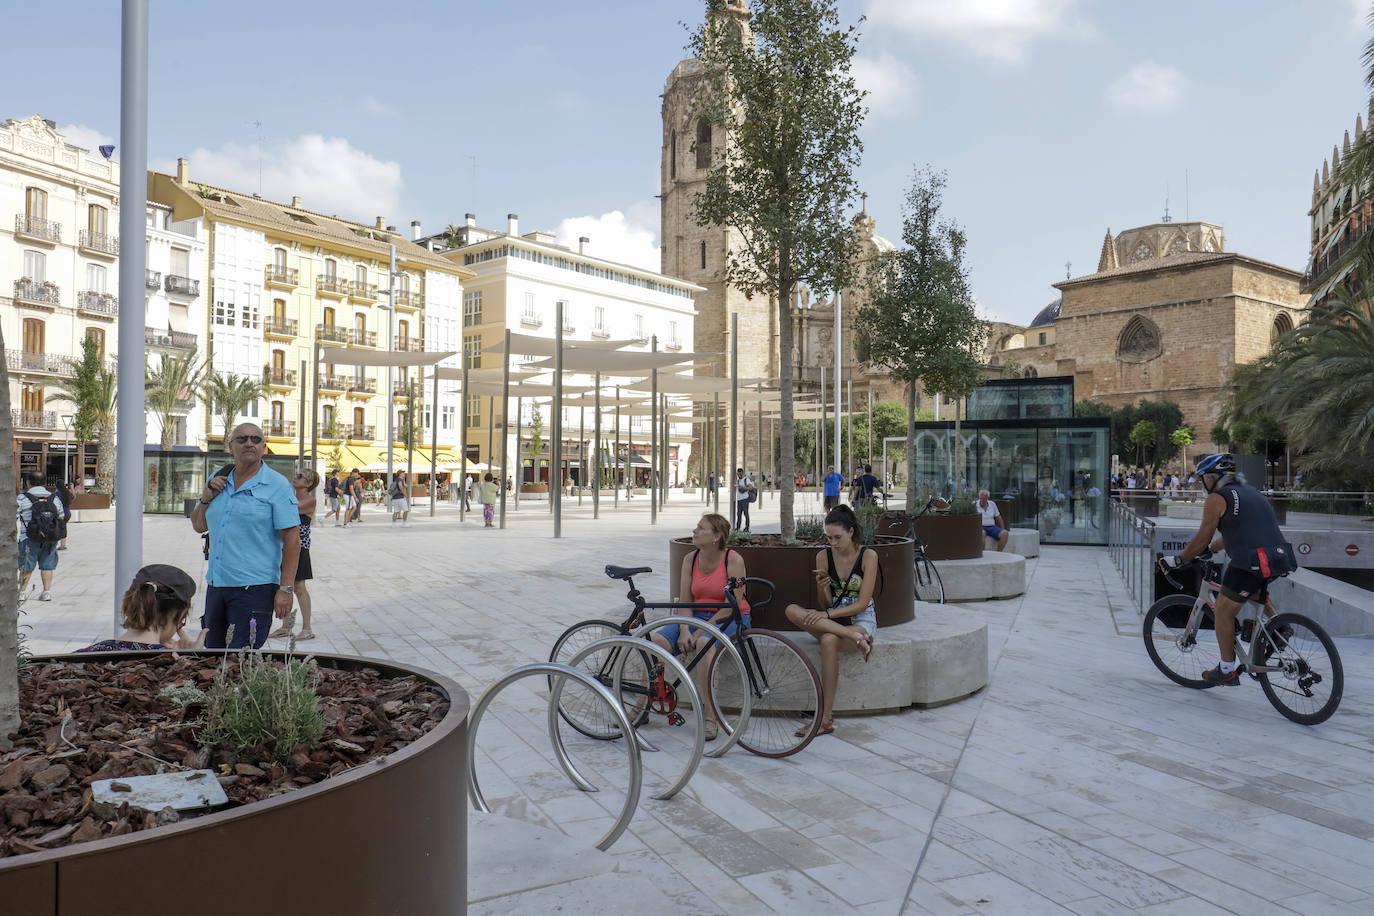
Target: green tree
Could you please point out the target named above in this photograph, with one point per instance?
(889, 420)
(170, 387)
(91, 388)
(1143, 436)
(537, 438)
(409, 432)
(778, 85)
(228, 395)
(452, 235)
(1182, 438)
(918, 313)
(1086, 407)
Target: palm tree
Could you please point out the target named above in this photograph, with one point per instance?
(228, 395)
(171, 386)
(453, 236)
(91, 389)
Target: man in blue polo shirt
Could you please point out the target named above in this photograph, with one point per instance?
(254, 544)
(833, 482)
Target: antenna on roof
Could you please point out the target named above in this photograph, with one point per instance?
(1167, 218)
(1068, 270)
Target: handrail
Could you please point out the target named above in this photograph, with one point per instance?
(1130, 542)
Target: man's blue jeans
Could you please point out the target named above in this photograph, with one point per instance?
(241, 607)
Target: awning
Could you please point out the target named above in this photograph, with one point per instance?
(581, 359)
(1330, 284)
(351, 356)
(529, 345)
(491, 376)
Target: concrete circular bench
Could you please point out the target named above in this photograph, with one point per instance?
(939, 657)
(1025, 541)
(993, 575)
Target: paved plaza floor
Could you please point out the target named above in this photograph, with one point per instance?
(1079, 781)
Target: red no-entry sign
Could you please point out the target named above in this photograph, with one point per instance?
(1352, 549)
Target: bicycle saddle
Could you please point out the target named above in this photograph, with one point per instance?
(625, 572)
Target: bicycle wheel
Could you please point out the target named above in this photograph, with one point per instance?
(1180, 655)
(929, 587)
(579, 706)
(786, 693)
(1308, 688)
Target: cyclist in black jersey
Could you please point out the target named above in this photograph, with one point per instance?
(1247, 529)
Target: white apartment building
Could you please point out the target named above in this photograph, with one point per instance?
(518, 282)
(174, 306)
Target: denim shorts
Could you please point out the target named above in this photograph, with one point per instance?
(867, 618)
(41, 554)
(673, 630)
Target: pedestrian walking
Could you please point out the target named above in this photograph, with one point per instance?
(833, 481)
(743, 497)
(331, 495)
(303, 484)
(400, 506)
(42, 526)
(489, 494)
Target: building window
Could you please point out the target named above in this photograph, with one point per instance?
(31, 397)
(1282, 325)
(278, 416)
(672, 335)
(181, 262)
(472, 350)
(279, 309)
(327, 415)
(95, 278)
(1042, 338)
(97, 219)
(446, 417)
(1030, 372)
(703, 255)
(33, 335)
(329, 317)
(403, 284)
(703, 144)
(360, 275)
(473, 410)
(402, 334)
(331, 268)
(530, 313)
(279, 259)
(35, 203)
(224, 305)
(599, 324)
(1139, 341)
(1143, 252)
(672, 156)
(98, 335)
(35, 266)
(278, 361)
(360, 323)
(472, 308)
(640, 333)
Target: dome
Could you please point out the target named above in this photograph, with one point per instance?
(1048, 315)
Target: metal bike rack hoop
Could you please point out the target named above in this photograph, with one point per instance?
(643, 645)
(564, 672)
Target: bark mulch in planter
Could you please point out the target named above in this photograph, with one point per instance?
(90, 720)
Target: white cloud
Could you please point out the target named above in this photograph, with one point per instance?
(616, 236)
(1147, 86)
(1359, 13)
(83, 136)
(992, 28)
(372, 105)
(890, 83)
(329, 174)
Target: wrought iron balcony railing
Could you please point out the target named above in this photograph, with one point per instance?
(281, 276)
(409, 299)
(332, 285)
(98, 242)
(401, 389)
(98, 303)
(531, 319)
(603, 333)
(282, 378)
(182, 286)
(362, 290)
(333, 383)
(38, 293)
(362, 385)
(44, 230)
(281, 429)
(407, 344)
(152, 279)
(360, 433)
(180, 340)
(332, 332)
(34, 419)
(280, 327)
(31, 361)
(361, 338)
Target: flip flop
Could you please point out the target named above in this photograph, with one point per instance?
(865, 647)
(827, 728)
(279, 633)
(304, 634)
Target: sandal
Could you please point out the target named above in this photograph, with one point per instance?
(280, 633)
(865, 647)
(827, 728)
(712, 731)
(304, 634)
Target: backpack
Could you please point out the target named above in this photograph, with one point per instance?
(46, 524)
(753, 494)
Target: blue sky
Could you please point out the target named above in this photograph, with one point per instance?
(1054, 118)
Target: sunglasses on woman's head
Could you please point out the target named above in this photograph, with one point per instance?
(256, 440)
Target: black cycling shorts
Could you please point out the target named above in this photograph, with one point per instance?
(1242, 585)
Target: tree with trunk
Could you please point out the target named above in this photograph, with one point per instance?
(919, 316)
(1182, 438)
(777, 83)
(227, 395)
(1143, 436)
(91, 388)
(169, 388)
(9, 572)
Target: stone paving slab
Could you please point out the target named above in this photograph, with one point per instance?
(1079, 781)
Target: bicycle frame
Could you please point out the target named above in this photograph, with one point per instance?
(1208, 591)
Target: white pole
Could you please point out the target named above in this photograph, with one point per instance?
(390, 384)
(835, 385)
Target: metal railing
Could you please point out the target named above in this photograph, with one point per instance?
(407, 299)
(332, 332)
(407, 344)
(362, 386)
(181, 340)
(35, 228)
(401, 389)
(182, 286)
(333, 383)
(285, 429)
(99, 303)
(362, 290)
(360, 433)
(1130, 542)
(531, 319)
(31, 361)
(152, 279)
(98, 242)
(281, 327)
(285, 378)
(332, 435)
(361, 338)
(334, 285)
(673, 343)
(33, 419)
(601, 332)
(282, 276)
(38, 292)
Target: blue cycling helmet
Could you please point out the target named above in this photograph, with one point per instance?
(1216, 464)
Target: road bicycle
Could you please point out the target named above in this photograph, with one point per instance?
(1291, 656)
(783, 685)
(929, 587)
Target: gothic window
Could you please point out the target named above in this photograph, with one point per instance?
(1143, 252)
(672, 156)
(1139, 341)
(1178, 246)
(1282, 325)
(703, 144)
(1030, 372)
(1210, 246)
(703, 255)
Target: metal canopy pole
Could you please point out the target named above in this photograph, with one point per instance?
(519, 462)
(839, 375)
(653, 440)
(758, 431)
(820, 430)
(463, 446)
(434, 447)
(715, 439)
(596, 422)
(410, 428)
(615, 451)
(629, 453)
(870, 426)
(849, 423)
(505, 409)
(582, 453)
(556, 486)
(133, 195)
(390, 399)
(315, 409)
(300, 462)
(734, 403)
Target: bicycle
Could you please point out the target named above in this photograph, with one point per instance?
(1292, 657)
(782, 683)
(929, 586)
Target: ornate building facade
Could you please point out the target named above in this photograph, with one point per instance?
(1339, 216)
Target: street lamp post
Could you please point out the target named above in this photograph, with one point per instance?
(67, 451)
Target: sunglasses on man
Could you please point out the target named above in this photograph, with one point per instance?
(256, 440)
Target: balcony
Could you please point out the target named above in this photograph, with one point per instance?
(182, 286)
(152, 279)
(363, 291)
(327, 435)
(280, 327)
(568, 326)
(331, 286)
(640, 337)
(30, 362)
(175, 340)
(603, 333)
(183, 405)
(673, 343)
(360, 433)
(333, 383)
(405, 299)
(34, 419)
(402, 389)
(331, 333)
(97, 305)
(407, 345)
(32, 292)
(98, 244)
(362, 386)
(37, 230)
(531, 319)
(285, 277)
(280, 429)
(279, 378)
(360, 338)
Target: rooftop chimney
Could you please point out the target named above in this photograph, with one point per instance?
(582, 243)
(512, 223)
(381, 222)
(183, 171)
(390, 228)
(470, 219)
(415, 230)
(295, 202)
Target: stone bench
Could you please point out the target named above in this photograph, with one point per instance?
(1025, 541)
(939, 657)
(993, 575)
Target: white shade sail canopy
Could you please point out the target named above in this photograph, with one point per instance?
(529, 345)
(455, 374)
(581, 359)
(523, 389)
(352, 356)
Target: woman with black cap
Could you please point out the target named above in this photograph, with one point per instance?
(155, 609)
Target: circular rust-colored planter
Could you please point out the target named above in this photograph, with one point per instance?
(534, 488)
(387, 837)
(947, 537)
(789, 569)
(90, 501)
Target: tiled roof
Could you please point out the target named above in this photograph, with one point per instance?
(1177, 260)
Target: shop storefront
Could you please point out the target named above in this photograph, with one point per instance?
(173, 477)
